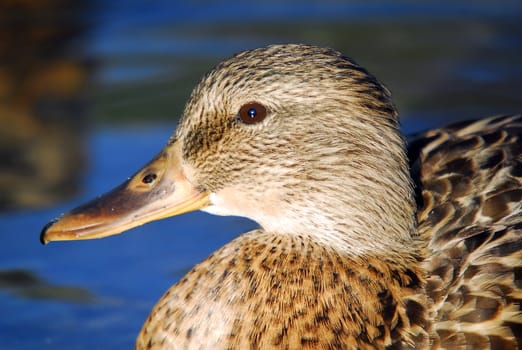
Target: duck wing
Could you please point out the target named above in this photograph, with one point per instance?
(468, 179)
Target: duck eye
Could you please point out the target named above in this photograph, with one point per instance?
(149, 178)
(252, 113)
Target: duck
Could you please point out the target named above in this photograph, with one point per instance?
(365, 240)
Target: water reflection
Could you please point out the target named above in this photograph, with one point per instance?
(42, 101)
(26, 284)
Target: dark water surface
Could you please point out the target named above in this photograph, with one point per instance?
(110, 97)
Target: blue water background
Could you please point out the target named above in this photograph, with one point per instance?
(96, 294)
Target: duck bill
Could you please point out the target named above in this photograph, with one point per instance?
(158, 190)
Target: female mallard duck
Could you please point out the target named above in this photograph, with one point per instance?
(306, 142)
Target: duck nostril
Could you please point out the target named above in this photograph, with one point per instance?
(149, 178)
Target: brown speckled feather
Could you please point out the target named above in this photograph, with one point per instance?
(469, 179)
(278, 292)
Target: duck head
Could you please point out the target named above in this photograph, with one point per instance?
(299, 138)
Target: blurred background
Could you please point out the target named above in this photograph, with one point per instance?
(90, 91)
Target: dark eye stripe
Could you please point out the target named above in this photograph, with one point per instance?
(252, 113)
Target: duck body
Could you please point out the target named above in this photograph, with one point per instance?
(353, 250)
(289, 293)
(470, 216)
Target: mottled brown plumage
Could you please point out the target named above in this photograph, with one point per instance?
(345, 258)
(469, 175)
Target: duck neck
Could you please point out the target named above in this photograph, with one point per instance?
(358, 197)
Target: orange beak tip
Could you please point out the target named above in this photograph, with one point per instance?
(43, 240)
(47, 231)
